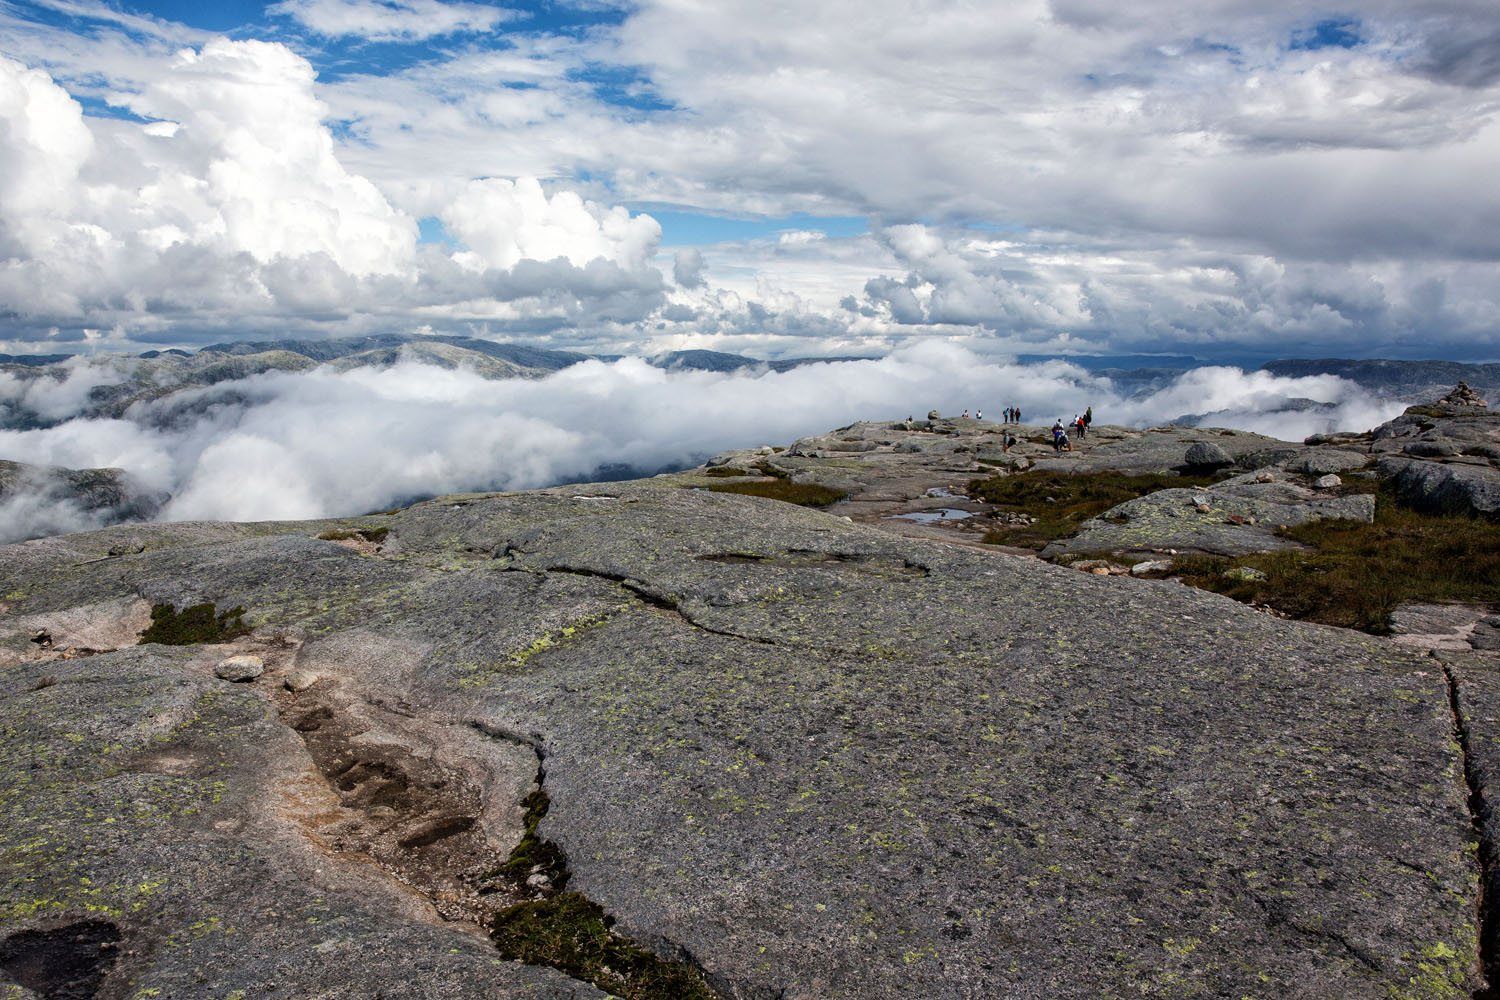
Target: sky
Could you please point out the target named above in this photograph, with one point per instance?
(1228, 179)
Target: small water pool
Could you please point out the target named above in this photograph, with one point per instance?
(934, 516)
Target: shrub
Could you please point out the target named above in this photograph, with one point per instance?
(199, 623)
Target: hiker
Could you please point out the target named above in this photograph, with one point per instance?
(1082, 428)
(965, 414)
(1018, 416)
(978, 414)
(1006, 440)
(1088, 417)
(1057, 435)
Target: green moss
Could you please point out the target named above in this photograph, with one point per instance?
(1355, 574)
(726, 472)
(1061, 502)
(534, 851)
(802, 494)
(571, 933)
(196, 624)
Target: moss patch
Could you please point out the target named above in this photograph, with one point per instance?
(1061, 502)
(802, 494)
(1356, 574)
(726, 472)
(571, 933)
(372, 535)
(534, 852)
(196, 624)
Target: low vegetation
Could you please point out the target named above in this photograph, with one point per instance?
(571, 933)
(1061, 502)
(802, 494)
(1355, 574)
(726, 472)
(196, 624)
(373, 535)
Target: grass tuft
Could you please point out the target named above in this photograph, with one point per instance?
(193, 625)
(1356, 574)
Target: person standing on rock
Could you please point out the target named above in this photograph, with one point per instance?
(978, 414)
(1088, 417)
(1018, 416)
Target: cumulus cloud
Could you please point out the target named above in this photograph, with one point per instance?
(229, 209)
(323, 442)
(504, 222)
(391, 20)
(687, 268)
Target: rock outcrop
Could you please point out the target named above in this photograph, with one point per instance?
(792, 755)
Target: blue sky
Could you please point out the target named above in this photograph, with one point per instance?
(1264, 177)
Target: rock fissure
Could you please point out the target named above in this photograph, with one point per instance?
(1485, 903)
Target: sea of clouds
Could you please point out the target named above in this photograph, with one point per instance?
(326, 443)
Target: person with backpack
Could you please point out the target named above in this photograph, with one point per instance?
(1088, 417)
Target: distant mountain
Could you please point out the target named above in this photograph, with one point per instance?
(32, 360)
(1406, 380)
(1099, 364)
(343, 347)
(719, 361)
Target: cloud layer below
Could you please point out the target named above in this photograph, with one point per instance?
(324, 443)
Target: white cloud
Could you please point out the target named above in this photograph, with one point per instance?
(504, 222)
(323, 443)
(391, 20)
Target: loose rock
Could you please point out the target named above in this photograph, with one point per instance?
(240, 669)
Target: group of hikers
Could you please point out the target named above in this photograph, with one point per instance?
(1079, 424)
(1060, 433)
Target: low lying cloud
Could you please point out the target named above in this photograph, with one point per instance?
(324, 443)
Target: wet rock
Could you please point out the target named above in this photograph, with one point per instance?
(239, 669)
(1206, 455)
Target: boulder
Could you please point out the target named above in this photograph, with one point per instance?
(1206, 455)
(1443, 488)
(1323, 461)
(1328, 482)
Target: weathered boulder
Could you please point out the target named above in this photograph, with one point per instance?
(1206, 455)
(1325, 461)
(1444, 488)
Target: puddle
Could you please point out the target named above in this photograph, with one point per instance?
(934, 516)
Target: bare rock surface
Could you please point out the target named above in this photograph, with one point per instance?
(1236, 517)
(809, 758)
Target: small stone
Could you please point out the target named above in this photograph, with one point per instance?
(1328, 482)
(1265, 476)
(538, 881)
(934, 415)
(1151, 566)
(239, 669)
(1100, 571)
(300, 680)
(1249, 574)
